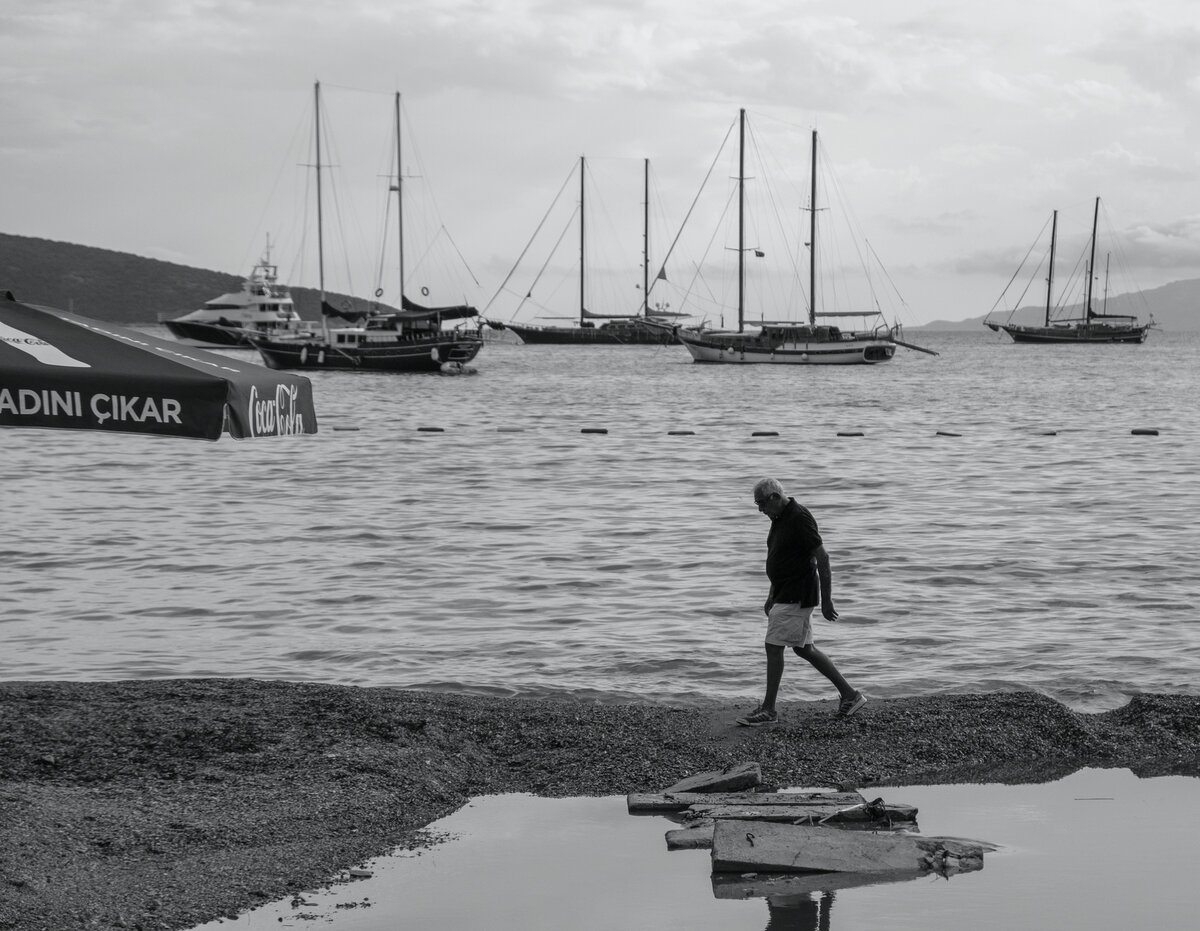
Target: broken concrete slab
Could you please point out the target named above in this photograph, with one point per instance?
(681, 801)
(730, 779)
(749, 846)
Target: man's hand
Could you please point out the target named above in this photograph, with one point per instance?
(828, 611)
(767, 605)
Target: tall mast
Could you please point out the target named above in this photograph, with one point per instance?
(646, 238)
(812, 238)
(741, 252)
(582, 259)
(320, 240)
(1050, 277)
(1092, 264)
(399, 201)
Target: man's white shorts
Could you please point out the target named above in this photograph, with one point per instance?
(789, 625)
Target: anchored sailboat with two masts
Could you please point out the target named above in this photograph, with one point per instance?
(1076, 323)
(588, 326)
(822, 340)
(377, 337)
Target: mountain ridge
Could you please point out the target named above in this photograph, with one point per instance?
(121, 287)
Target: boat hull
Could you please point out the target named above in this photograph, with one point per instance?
(814, 352)
(591, 336)
(208, 334)
(417, 355)
(1088, 334)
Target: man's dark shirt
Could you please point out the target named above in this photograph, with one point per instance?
(790, 546)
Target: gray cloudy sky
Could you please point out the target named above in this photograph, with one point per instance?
(176, 128)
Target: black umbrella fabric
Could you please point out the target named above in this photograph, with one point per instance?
(58, 369)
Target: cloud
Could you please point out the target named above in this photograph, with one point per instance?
(1162, 58)
(1144, 246)
(1173, 245)
(951, 222)
(951, 126)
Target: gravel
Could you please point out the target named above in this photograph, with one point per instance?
(162, 804)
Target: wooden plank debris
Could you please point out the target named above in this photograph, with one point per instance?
(881, 813)
(775, 886)
(745, 846)
(696, 831)
(730, 779)
(695, 835)
(681, 801)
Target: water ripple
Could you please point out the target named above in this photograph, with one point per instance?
(630, 564)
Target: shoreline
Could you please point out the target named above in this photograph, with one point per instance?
(162, 804)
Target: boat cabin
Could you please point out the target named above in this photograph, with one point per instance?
(776, 335)
(805, 333)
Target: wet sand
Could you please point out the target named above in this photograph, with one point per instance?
(163, 804)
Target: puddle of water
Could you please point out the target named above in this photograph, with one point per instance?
(1098, 850)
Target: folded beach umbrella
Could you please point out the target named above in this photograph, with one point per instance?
(58, 369)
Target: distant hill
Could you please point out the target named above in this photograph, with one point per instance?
(116, 286)
(1175, 306)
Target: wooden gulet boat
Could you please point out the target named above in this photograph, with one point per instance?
(810, 343)
(602, 329)
(1091, 326)
(410, 339)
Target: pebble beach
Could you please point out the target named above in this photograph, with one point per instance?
(161, 804)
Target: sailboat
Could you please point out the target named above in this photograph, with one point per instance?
(1090, 325)
(624, 329)
(384, 339)
(789, 343)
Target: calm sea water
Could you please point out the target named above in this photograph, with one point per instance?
(514, 554)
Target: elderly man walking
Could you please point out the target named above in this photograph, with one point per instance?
(798, 570)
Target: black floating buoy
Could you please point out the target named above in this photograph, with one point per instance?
(431, 430)
(947, 433)
(594, 430)
(681, 433)
(850, 433)
(1048, 433)
(765, 433)
(1143, 431)
(345, 428)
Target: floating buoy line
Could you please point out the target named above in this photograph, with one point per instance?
(603, 431)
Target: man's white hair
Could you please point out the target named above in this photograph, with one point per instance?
(768, 486)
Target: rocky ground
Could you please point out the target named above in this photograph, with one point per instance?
(163, 804)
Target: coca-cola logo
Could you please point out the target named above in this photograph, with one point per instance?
(37, 347)
(278, 415)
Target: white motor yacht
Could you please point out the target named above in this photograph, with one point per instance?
(261, 307)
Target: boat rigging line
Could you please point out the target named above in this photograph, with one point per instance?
(1028, 252)
(517, 264)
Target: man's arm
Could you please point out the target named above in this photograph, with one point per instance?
(770, 602)
(821, 558)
